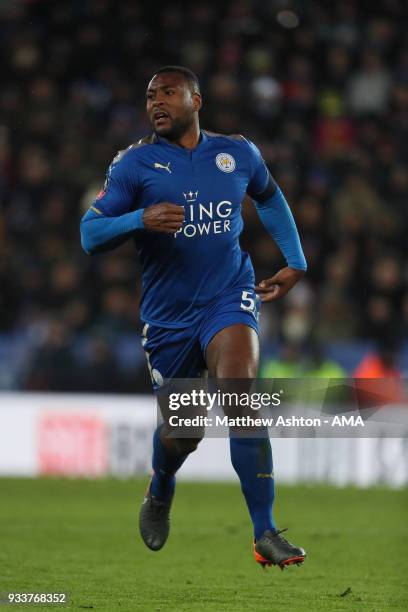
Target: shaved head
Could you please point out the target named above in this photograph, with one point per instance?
(173, 101)
(188, 75)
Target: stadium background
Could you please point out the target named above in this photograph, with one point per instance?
(322, 88)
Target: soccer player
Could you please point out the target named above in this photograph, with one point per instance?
(177, 193)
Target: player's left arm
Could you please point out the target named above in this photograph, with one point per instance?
(276, 216)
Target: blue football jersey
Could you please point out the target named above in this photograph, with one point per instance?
(183, 272)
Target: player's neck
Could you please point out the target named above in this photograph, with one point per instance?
(189, 140)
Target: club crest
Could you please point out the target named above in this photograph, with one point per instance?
(225, 162)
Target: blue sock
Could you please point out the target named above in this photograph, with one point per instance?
(252, 461)
(165, 465)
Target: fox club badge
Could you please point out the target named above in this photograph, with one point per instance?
(225, 162)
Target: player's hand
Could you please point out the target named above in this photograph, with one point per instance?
(279, 285)
(163, 217)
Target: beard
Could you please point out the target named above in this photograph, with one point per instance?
(177, 128)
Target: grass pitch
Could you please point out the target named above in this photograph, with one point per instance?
(81, 537)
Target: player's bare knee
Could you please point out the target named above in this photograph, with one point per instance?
(186, 446)
(237, 368)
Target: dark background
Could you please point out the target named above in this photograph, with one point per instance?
(321, 87)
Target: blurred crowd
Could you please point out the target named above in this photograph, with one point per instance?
(321, 87)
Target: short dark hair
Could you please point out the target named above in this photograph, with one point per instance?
(188, 75)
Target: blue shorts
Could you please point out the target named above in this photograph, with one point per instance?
(180, 353)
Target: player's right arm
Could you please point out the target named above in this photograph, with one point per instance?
(112, 218)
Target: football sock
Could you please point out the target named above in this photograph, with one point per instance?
(165, 464)
(252, 461)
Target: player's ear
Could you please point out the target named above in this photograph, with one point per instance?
(197, 101)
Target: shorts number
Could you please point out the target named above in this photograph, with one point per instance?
(247, 302)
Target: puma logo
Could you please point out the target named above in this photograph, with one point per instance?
(157, 165)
